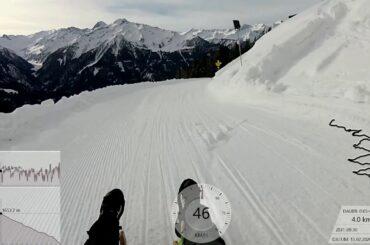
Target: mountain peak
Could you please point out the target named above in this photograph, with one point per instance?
(120, 21)
(6, 36)
(99, 24)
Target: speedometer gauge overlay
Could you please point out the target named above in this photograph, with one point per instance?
(201, 213)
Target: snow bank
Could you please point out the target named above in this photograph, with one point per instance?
(324, 51)
(25, 120)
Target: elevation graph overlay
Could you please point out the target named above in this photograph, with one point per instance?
(30, 197)
(18, 176)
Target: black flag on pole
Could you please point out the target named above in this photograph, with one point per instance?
(236, 24)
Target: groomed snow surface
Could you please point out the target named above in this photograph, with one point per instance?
(280, 164)
(259, 133)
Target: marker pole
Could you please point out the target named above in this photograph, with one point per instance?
(240, 49)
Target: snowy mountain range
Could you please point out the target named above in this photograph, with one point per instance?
(70, 60)
(37, 47)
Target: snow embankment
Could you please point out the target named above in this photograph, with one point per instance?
(323, 52)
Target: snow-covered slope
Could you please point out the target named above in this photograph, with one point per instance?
(14, 71)
(324, 51)
(35, 48)
(17, 83)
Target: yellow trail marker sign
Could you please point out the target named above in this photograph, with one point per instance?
(218, 64)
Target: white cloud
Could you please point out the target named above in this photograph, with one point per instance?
(29, 16)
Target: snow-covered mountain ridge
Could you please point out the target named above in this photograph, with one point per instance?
(36, 47)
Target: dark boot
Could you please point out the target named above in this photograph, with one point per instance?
(113, 202)
(105, 231)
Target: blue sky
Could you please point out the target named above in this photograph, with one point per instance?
(26, 16)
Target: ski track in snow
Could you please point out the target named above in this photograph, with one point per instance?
(284, 176)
